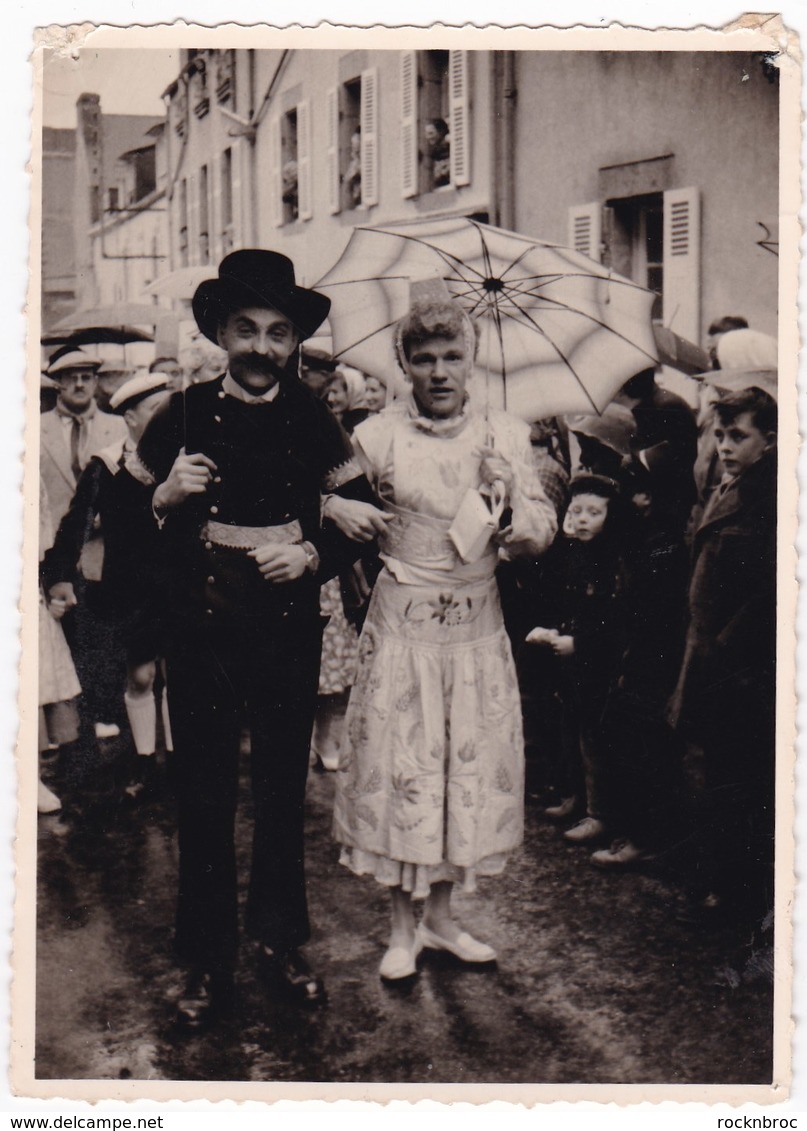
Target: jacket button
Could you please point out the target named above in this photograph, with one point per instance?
(214, 510)
(211, 580)
(209, 612)
(208, 545)
(222, 394)
(217, 419)
(217, 479)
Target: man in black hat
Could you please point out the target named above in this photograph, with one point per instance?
(241, 464)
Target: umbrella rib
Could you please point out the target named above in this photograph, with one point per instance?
(361, 341)
(368, 279)
(517, 260)
(556, 276)
(557, 350)
(445, 256)
(563, 306)
(481, 298)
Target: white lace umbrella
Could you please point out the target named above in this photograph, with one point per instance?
(558, 332)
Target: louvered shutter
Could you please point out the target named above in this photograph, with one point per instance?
(275, 184)
(682, 262)
(585, 230)
(193, 218)
(238, 204)
(332, 172)
(459, 103)
(369, 136)
(215, 211)
(409, 124)
(305, 205)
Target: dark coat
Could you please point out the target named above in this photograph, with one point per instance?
(579, 589)
(274, 462)
(131, 576)
(727, 684)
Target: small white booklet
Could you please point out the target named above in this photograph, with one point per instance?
(475, 523)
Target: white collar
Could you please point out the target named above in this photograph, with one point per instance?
(232, 389)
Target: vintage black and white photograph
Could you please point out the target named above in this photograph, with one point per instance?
(406, 564)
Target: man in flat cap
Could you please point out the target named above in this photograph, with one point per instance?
(115, 491)
(242, 463)
(75, 430)
(71, 434)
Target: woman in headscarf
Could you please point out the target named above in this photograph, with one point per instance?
(344, 394)
(430, 790)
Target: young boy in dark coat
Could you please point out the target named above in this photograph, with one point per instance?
(578, 609)
(725, 700)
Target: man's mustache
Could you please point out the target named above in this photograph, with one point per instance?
(260, 363)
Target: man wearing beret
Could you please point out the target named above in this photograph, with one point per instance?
(242, 464)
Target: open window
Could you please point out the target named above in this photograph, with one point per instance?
(182, 223)
(226, 201)
(653, 239)
(635, 230)
(290, 165)
(204, 216)
(435, 145)
(352, 111)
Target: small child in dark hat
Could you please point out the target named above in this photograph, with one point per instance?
(578, 608)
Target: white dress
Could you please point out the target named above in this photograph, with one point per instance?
(431, 782)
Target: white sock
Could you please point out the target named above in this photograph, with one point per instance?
(142, 713)
(169, 741)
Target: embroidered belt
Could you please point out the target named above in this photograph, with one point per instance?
(251, 537)
(418, 539)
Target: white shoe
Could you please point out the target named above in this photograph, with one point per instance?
(464, 946)
(587, 829)
(107, 730)
(46, 800)
(401, 961)
(621, 854)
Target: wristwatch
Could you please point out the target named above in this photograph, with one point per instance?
(311, 556)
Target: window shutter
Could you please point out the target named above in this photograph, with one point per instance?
(333, 175)
(409, 124)
(193, 218)
(585, 230)
(238, 209)
(682, 267)
(275, 184)
(305, 207)
(460, 153)
(215, 211)
(369, 136)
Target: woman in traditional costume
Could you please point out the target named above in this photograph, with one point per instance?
(430, 787)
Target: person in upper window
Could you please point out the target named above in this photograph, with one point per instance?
(290, 190)
(438, 151)
(353, 171)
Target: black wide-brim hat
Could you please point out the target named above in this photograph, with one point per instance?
(254, 277)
